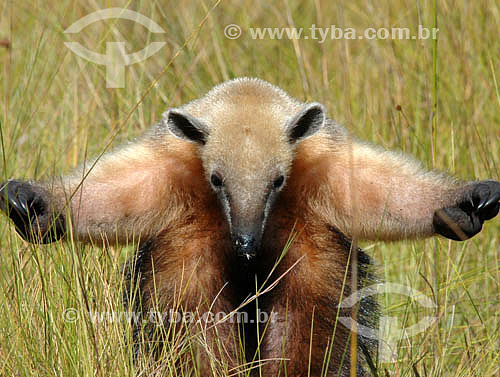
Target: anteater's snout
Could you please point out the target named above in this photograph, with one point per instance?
(245, 246)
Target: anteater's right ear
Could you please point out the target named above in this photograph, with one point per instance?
(186, 127)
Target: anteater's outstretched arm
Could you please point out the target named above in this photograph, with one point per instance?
(128, 193)
(371, 193)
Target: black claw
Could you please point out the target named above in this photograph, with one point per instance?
(482, 203)
(24, 206)
(486, 194)
(471, 202)
(478, 204)
(490, 202)
(27, 206)
(494, 199)
(19, 206)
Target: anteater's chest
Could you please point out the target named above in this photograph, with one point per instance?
(297, 278)
(196, 254)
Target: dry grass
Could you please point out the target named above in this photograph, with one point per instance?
(55, 111)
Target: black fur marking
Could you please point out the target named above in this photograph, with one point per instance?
(133, 271)
(368, 311)
(134, 278)
(243, 277)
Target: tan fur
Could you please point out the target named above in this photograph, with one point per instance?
(370, 193)
(158, 189)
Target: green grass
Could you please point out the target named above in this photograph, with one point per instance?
(438, 101)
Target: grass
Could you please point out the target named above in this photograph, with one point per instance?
(436, 100)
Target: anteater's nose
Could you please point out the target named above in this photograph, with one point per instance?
(245, 245)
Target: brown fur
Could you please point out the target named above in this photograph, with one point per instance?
(157, 190)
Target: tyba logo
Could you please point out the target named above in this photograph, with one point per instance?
(389, 333)
(115, 58)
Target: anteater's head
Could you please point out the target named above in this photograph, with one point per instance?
(247, 131)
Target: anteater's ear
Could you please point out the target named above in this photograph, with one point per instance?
(185, 126)
(306, 123)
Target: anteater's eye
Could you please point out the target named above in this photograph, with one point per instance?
(278, 182)
(216, 180)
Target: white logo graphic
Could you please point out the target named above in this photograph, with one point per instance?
(115, 58)
(389, 333)
(232, 31)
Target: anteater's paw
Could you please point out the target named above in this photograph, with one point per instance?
(28, 208)
(480, 202)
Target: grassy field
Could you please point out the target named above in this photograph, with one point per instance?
(436, 100)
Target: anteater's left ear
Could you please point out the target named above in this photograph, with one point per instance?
(307, 122)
